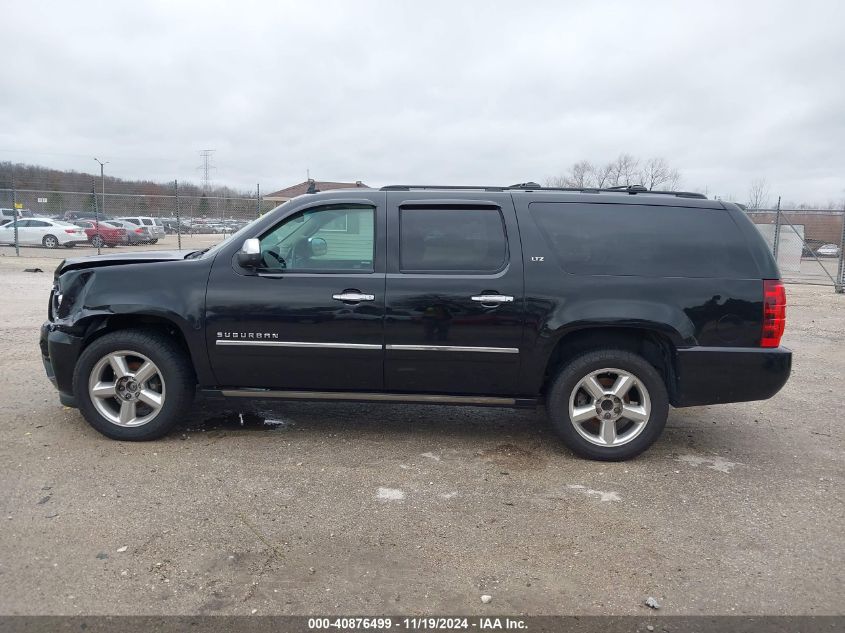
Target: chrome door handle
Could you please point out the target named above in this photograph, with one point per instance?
(492, 298)
(353, 296)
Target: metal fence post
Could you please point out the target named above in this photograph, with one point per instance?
(15, 213)
(96, 214)
(178, 218)
(777, 232)
(840, 271)
(258, 200)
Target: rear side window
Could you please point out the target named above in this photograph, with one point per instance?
(643, 240)
(146, 222)
(453, 240)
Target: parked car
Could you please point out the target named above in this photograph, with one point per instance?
(172, 226)
(102, 233)
(134, 234)
(498, 296)
(7, 215)
(42, 232)
(828, 250)
(154, 226)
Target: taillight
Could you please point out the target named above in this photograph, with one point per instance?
(71, 231)
(139, 230)
(774, 312)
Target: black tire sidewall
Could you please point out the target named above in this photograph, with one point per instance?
(171, 363)
(557, 403)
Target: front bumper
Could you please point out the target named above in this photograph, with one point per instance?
(716, 375)
(59, 352)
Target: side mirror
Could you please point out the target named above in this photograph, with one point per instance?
(250, 254)
(319, 246)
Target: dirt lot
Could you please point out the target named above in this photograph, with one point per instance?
(385, 509)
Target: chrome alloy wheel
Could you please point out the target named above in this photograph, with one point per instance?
(609, 407)
(126, 388)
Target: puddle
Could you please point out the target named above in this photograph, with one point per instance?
(234, 420)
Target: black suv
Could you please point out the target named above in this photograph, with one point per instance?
(606, 306)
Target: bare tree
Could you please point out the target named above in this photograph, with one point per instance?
(624, 170)
(581, 175)
(758, 194)
(602, 175)
(657, 174)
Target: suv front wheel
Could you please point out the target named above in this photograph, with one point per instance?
(133, 384)
(608, 405)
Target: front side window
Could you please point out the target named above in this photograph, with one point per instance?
(334, 238)
(452, 240)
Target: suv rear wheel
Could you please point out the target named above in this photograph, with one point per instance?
(133, 384)
(608, 405)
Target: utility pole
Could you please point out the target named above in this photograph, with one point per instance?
(103, 185)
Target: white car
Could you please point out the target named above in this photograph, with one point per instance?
(828, 250)
(43, 232)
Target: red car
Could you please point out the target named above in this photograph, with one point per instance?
(108, 235)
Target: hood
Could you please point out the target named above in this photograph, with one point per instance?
(137, 257)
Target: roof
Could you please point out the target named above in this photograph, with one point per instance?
(318, 185)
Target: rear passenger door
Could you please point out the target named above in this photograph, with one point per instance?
(454, 300)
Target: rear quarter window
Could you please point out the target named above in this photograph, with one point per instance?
(644, 240)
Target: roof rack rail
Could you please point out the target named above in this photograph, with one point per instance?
(533, 186)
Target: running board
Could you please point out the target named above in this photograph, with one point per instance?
(353, 396)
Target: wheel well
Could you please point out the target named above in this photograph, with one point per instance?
(101, 326)
(653, 346)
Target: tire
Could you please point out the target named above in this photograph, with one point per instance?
(97, 241)
(645, 394)
(153, 241)
(172, 384)
(50, 241)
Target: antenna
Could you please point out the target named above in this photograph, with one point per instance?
(206, 168)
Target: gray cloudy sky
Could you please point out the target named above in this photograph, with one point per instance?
(449, 93)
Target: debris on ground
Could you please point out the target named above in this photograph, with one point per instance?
(652, 603)
(122, 549)
(102, 556)
(486, 599)
(33, 270)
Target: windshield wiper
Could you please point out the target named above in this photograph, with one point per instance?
(196, 254)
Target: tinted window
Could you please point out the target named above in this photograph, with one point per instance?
(334, 238)
(39, 223)
(649, 241)
(470, 240)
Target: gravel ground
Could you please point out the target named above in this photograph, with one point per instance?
(368, 509)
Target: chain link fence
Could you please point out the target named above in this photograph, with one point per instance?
(44, 222)
(807, 243)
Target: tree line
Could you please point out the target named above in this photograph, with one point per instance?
(25, 176)
(624, 170)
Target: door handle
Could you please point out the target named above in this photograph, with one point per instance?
(492, 299)
(353, 296)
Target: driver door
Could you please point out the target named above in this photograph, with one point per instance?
(312, 317)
